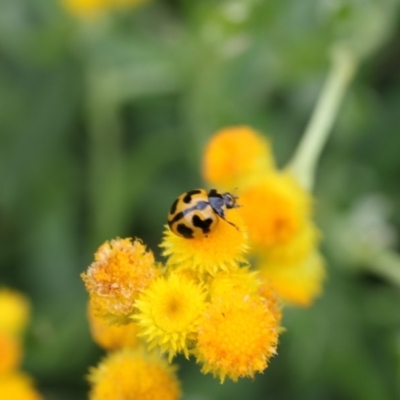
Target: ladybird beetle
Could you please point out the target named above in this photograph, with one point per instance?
(196, 213)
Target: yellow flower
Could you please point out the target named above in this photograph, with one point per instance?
(88, 8)
(299, 283)
(92, 8)
(168, 313)
(240, 280)
(121, 271)
(296, 248)
(221, 250)
(10, 352)
(129, 374)
(14, 311)
(235, 154)
(275, 209)
(112, 336)
(17, 386)
(246, 283)
(237, 336)
(271, 298)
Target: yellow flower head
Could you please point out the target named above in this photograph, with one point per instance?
(296, 248)
(246, 283)
(270, 296)
(14, 311)
(129, 374)
(237, 336)
(121, 271)
(275, 209)
(235, 154)
(112, 336)
(93, 8)
(298, 284)
(10, 352)
(17, 386)
(168, 313)
(221, 250)
(240, 281)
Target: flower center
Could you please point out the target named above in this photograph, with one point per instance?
(173, 306)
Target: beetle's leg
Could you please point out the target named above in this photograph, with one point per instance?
(231, 223)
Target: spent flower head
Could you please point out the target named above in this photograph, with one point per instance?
(121, 271)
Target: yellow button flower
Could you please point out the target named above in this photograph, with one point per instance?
(296, 248)
(93, 8)
(10, 353)
(237, 337)
(112, 336)
(129, 374)
(241, 280)
(221, 250)
(121, 271)
(246, 283)
(275, 209)
(14, 311)
(235, 154)
(17, 386)
(271, 298)
(298, 283)
(168, 313)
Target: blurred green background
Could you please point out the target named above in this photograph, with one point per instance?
(102, 124)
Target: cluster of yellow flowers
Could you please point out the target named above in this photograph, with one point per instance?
(93, 8)
(276, 209)
(206, 300)
(14, 314)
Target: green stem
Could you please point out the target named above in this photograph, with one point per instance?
(305, 159)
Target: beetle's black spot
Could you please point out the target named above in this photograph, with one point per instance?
(187, 198)
(175, 218)
(214, 193)
(173, 207)
(203, 224)
(185, 231)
